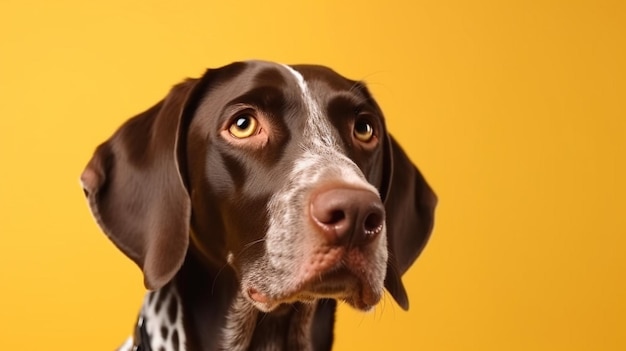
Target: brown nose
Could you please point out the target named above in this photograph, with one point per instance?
(348, 216)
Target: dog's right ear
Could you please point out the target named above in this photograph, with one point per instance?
(136, 192)
(410, 206)
(135, 182)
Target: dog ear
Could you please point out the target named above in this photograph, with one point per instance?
(136, 192)
(409, 205)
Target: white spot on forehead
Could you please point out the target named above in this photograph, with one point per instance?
(318, 130)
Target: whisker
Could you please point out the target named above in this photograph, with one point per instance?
(250, 244)
(361, 81)
(262, 318)
(215, 279)
(362, 319)
(245, 247)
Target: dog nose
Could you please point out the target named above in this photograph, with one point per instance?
(347, 215)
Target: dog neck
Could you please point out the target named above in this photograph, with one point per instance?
(287, 328)
(217, 317)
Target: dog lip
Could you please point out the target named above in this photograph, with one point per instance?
(257, 296)
(261, 301)
(361, 303)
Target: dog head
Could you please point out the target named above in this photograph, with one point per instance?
(286, 174)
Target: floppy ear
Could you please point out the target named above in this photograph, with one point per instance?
(136, 193)
(409, 205)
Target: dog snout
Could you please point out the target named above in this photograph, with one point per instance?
(347, 216)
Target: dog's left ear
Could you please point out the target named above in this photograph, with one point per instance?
(135, 189)
(410, 209)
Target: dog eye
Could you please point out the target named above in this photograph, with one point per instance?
(363, 130)
(244, 126)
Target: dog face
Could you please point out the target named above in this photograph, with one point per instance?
(286, 174)
(296, 140)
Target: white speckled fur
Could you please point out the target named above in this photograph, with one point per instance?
(155, 320)
(127, 345)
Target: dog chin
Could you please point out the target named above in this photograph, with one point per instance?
(356, 301)
(347, 288)
(364, 302)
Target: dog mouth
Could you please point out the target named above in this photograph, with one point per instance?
(343, 281)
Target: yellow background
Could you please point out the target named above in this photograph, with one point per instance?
(514, 110)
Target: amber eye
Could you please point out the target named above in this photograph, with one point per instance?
(244, 126)
(363, 130)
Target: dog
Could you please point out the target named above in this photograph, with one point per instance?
(253, 199)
